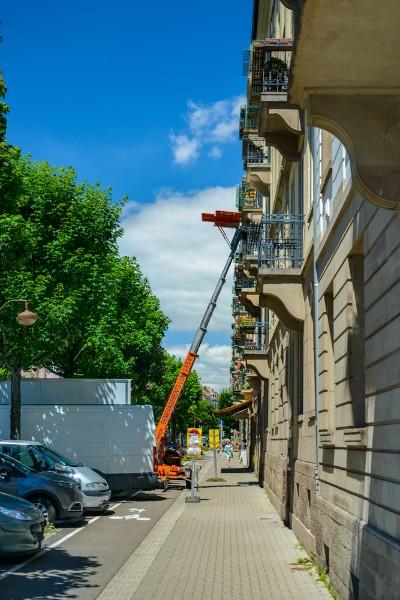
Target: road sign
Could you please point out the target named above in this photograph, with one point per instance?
(213, 438)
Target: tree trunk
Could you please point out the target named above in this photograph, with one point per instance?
(15, 411)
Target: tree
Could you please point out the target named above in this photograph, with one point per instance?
(125, 338)
(58, 249)
(225, 399)
(203, 414)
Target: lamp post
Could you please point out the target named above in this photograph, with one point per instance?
(26, 318)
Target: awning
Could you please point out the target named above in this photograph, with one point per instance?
(234, 408)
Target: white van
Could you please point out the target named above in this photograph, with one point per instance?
(117, 441)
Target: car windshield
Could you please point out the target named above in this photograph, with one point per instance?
(6, 460)
(55, 457)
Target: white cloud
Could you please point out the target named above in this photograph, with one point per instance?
(215, 123)
(184, 149)
(181, 256)
(212, 365)
(215, 152)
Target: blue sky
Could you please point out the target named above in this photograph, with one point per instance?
(142, 96)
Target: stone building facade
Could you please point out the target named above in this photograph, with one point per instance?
(317, 281)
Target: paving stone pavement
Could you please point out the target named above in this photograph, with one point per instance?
(230, 546)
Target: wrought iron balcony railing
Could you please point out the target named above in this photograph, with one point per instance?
(251, 239)
(281, 241)
(246, 62)
(270, 64)
(257, 156)
(247, 197)
(244, 282)
(248, 119)
(257, 337)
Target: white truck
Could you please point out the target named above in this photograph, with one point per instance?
(114, 438)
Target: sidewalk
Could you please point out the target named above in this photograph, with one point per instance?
(230, 546)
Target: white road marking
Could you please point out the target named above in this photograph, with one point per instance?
(127, 517)
(21, 565)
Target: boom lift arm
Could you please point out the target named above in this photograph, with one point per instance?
(191, 356)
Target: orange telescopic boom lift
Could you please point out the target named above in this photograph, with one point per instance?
(221, 219)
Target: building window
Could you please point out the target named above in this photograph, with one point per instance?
(356, 342)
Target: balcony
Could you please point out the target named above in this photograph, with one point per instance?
(257, 155)
(238, 310)
(250, 247)
(255, 348)
(350, 86)
(270, 64)
(280, 122)
(255, 336)
(248, 120)
(248, 199)
(243, 282)
(280, 263)
(281, 242)
(257, 163)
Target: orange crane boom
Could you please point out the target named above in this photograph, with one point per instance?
(220, 219)
(172, 401)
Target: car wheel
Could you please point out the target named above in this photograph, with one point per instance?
(46, 507)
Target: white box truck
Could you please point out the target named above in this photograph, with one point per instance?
(116, 440)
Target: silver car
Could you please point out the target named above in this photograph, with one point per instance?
(95, 490)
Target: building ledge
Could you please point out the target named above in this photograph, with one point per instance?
(355, 437)
(251, 301)
(282, 128)
(257, 360)
(326, 439)
(282, 292)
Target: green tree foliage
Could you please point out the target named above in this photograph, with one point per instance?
(225, 399)
(203, 415)
(3, 108)
(58, 249)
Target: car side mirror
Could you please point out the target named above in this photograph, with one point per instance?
(62, 468)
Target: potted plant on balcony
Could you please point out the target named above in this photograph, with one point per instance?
(247, 391)
(275, 75)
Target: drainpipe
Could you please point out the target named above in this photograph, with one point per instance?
(315, 296)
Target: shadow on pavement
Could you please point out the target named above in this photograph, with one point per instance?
(67, 575)
(149, 497)
(252, 482)
(218, 485)
(236, 470)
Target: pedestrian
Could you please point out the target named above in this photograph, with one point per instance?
(228, 449)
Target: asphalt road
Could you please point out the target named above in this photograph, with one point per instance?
(78, 562)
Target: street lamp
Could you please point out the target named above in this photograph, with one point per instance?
(24, 318)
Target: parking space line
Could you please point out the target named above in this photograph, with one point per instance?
(66, 537)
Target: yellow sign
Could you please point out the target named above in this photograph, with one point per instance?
(213, 438)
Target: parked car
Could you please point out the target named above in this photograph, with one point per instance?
(21, 526)
(95, 490)
(57, 496)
